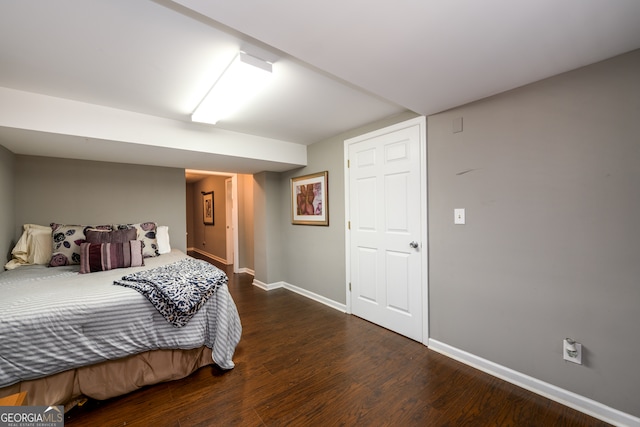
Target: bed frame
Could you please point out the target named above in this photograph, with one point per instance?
(112, 378)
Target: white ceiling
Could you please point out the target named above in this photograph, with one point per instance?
(87, 78)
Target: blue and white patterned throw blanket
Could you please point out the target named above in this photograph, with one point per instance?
(179, 289)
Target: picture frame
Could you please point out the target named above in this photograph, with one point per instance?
(310, 199)
(207, 208)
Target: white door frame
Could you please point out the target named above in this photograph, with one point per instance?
(424, 252)
(232, 221)
(234, 216)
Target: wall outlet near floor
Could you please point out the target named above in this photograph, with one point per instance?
(572, 351)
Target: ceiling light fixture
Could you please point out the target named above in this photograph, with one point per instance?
(244, 77)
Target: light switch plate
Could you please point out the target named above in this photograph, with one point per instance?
(457, 125)
(458, 216)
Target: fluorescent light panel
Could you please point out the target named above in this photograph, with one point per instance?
(245, 76)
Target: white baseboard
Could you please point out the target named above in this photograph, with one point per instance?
(247, 271)
(319, 298)
(565, 397)
(222, 261)
(208, 255)
(311, 295)
(267, 287)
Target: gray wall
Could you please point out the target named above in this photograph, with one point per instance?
(7, 207)
(85, 192)
(269, 262)
(260, 227)
(549, 175)
(245, 222)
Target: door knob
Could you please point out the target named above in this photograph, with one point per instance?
(414, 245)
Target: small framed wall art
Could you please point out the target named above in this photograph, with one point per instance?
(207, 208)
(310, 199)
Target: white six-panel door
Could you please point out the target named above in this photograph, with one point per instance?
(386, 214)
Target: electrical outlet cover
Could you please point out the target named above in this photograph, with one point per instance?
(565, 352)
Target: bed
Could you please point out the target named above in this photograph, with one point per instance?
(65, 335)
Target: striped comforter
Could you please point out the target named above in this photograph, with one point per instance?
(54, 319)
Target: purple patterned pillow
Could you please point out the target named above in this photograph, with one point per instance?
(66, 242)
(114, 236)
(107, 256)
(147, 234)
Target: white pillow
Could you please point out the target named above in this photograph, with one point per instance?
(162, 236)
(34, 247)
(20, 252)
(40, 244)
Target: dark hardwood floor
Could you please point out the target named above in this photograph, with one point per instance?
(300, 363)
